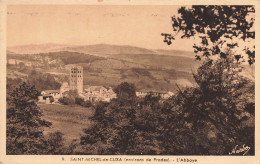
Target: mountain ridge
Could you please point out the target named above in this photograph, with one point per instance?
(103, 50)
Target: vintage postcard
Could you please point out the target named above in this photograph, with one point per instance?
(129, 82)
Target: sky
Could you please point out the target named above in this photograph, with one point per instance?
(87, 25)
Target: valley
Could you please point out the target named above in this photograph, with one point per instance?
(108, 65)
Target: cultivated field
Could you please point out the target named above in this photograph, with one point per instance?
(70, 120)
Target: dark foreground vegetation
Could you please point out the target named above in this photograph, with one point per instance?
(210, 118)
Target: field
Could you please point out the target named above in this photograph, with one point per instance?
(70, 120)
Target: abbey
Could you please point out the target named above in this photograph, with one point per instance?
(90, 93)
(76, 78)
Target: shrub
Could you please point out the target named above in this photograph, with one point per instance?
(79, 100)
(24, 124)
(66, 101)
(86, 104)
(51, 100)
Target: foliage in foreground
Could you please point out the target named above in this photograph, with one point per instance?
(24, 127)
(209, 119)
(217, 27)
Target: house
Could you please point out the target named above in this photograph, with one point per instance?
(141, 93)
(109, 95)
(16, 61)
(163, 95)
(45, 98)
(47, 94)
(99, 93)
(96, 90)
(54, 93)
(28, 64)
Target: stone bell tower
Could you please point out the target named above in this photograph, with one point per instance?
(76, 78)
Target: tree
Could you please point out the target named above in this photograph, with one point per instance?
(24, 128)
(24, 124)
(72, 94)
(218, 106)
(210, 118)
(11, 84)
(126, 125)
(152, 101)
(21, 65)
(125, 91)
(79, 101)
(222, 103)
(86, 104)
(66, 101)
(55, 144)
(43, 81)
(51, 99)
(113, 131)
(218, 28)
(70, 97)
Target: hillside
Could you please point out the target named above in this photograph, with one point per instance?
(189, 54)
(35, 48)
(156, 61)
(98, 49)
(109, 65)
(106, 50)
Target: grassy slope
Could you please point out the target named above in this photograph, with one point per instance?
(179, 63)
(66, 119)
(146, 71)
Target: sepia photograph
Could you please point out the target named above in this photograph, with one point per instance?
(134, 80)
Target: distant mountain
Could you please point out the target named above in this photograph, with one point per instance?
(103, 50)
(10, 52)
(98, 49)
(189, 54)
(106, 50)
(35, 48)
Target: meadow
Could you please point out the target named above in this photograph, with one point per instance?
(70, 120)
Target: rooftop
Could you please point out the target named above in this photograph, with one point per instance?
(51, 91)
